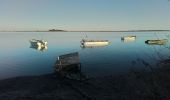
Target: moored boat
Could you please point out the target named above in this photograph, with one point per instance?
(128, 38)
(39, 43)
(87, 43)
(157, 42)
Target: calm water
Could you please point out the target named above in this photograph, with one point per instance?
(18, 59)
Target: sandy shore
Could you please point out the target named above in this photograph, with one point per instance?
(135, 85)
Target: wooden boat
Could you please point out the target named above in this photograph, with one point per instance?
(156, 42)
(95, 43)
(69, 66)
(38, 43)
(128, 38)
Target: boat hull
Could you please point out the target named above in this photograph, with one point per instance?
(95, 43)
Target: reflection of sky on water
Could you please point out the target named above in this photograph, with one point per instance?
(17, 58)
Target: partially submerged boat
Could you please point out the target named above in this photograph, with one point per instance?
(128, 38)
(69, 66)
(157, 42)
(94, 43)
(38, 43)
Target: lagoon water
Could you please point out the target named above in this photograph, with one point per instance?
(17, 58)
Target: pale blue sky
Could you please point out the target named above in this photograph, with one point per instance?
(84, 14)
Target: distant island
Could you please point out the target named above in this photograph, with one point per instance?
(56, 30)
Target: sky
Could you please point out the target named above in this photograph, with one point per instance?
(105, 15)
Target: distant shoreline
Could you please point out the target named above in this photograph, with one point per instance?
(95, 31)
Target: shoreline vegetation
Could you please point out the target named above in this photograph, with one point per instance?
(135, 85)
(57, 30)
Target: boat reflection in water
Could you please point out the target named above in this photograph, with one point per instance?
(128, 39)
(69, 66)
(39, 48)
(92, 46)
(94, 43)
(40, 45)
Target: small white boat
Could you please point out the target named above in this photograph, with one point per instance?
(39, 43)
(128, 38)
(157, 42)
(95, 43)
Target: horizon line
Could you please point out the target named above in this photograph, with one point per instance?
(89, 30)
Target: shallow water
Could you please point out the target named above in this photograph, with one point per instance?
(18, 59)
